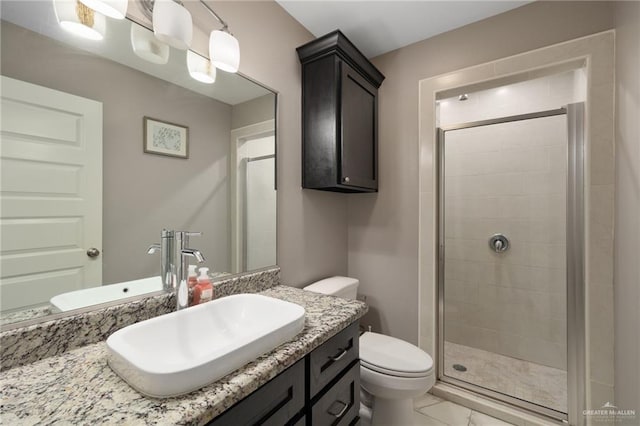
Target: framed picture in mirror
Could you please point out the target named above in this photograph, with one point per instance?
(164, 138)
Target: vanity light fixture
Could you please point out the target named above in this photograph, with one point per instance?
(116, 9)
(79, 19)
(146, 46)
(224, 49)
(172, 24)
(200, 68)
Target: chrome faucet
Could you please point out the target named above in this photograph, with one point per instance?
(174, 250)
(181, 265)
(166, 249)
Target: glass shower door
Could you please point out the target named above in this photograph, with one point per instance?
(260, 216)
(503, 245)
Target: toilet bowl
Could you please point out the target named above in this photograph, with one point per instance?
(392, 371)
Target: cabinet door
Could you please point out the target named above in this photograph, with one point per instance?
(359, 133)
(340, 404)
(275, 403)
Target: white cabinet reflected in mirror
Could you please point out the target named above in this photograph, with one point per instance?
(81, 194)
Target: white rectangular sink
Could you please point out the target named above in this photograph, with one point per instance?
(180, 352)
(103, 294)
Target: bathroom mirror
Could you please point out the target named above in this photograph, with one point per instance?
(104, 145)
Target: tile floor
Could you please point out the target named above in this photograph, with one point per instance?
(433, 411)
(536, 383)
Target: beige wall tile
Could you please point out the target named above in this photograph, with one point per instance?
(601, 337)
(600, 394)
(478, 337)
(627, 199)
(486, 196)
(600, 227)
(538, 351)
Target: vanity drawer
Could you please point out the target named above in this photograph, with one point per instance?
(302, 421)
(327, 361)
(275, 403)
(340, 405)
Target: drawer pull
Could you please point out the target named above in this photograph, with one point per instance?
(340, 355)
(341, 412)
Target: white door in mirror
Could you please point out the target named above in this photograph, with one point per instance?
(180, 352)
(51, 193)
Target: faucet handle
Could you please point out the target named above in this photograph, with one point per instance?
(183, 236)
(187, 234)
(154, 248)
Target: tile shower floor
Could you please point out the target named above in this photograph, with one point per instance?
(536, 383)
(433, 411)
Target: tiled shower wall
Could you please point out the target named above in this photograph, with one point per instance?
(508, 178)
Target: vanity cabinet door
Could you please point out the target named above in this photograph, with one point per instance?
(332, 357)
(275, 403)
(340, 405)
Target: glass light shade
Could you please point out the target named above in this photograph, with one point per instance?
(146, 46)
(172, 24)
(79, 19)
(112, 8)
(200, 68)
(224, 51)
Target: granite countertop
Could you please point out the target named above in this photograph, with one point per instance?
(78, 387)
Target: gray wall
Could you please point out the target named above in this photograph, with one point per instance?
(627, 209)
(312, 225)
(383, 227)
(142, 193)
(254, 111)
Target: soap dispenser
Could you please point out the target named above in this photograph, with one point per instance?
(193, 276)
(203, 291)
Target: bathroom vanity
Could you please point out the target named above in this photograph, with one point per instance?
(323, 387)
(314, 376)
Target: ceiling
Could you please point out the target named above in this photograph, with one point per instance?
(380, 26)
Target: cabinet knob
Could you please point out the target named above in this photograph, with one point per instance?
(346, 179)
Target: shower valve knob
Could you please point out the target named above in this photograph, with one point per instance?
(498, 243)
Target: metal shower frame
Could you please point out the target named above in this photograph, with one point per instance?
(575, 273)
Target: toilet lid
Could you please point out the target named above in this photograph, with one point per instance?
(392, 356)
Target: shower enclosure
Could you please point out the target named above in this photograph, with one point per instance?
(511, 298)
(260, 212)
(253, 197)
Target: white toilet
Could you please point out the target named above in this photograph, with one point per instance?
(392, 371)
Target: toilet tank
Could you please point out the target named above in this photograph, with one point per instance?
(344, 287)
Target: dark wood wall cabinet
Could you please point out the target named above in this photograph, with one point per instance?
(339, 116)
(321, 389)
